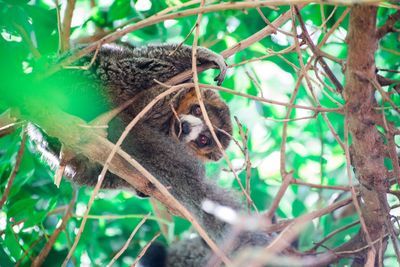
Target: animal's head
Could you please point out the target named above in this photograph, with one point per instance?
(188, 124)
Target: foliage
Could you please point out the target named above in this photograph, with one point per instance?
(29, 37)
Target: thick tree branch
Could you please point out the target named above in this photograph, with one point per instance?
(143, 176)
(87, 141)
(367, 150)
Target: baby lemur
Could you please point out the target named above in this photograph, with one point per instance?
(171, 141)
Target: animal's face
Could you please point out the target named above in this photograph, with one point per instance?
(188, 124)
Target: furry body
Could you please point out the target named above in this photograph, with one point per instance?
(171, 143)
(119, 74)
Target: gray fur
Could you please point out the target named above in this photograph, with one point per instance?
(194, 252)
(117, 75)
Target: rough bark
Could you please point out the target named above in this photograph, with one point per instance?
(367, 149)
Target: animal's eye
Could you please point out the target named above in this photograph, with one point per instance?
(203, 141)
(196, 110)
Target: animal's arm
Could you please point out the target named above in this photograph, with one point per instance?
(181, 57)
(131, 71)
(119, 73)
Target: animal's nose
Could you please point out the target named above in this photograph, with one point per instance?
(185, 127)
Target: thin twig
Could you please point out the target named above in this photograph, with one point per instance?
(66, 25)
(277, 29)
(128, 241)
(389, 70)
(119, 217)
(143, 251)
(294, 119)
(319, 58)
(38, 261)
(391, 145)
(204, 111)
(28, 41)
(325, 20)
(271, 53)
(244, 136)
(384, 94)
(274, 102)
(156, 19)
(282, 167)
(388, 26)
(396, 172)
(9, 125)
(333, 233)
(334, 133)
(282, 189)
(168, 199)
(308, 216)
(26, 252)
(320, 186)
(181, 43)
(86, 67)
(308, 80)
(15, 169)
(59, 26)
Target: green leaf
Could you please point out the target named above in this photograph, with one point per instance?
(35, 218)
(119, 9)
(4, 258)
(11, 243)
(19, 209)
(99, 17)
(298, 208)
(16, 2)
(26, 171)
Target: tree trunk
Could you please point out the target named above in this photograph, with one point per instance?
(367, 149)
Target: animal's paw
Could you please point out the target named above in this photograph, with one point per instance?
(205, 55)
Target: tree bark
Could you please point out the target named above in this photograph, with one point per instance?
(367, 150)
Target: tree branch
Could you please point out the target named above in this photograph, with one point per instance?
(156, 19)
(315, 50)
(388, 26)
(130, 170)
(367, 150)
(66, 25)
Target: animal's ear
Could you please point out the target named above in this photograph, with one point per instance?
(210, 95)
(177, 99)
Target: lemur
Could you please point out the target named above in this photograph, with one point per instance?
(119, 74)
(171, 141)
